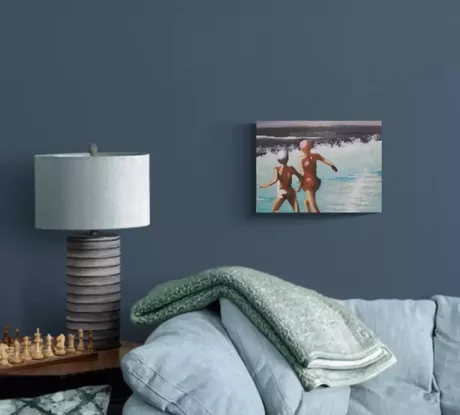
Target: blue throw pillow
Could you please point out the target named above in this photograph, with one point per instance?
(408, 387)
(189, 366)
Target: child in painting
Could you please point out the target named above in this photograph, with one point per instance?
(311, 182)
(283, 176)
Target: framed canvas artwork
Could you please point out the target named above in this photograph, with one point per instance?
(307, 167)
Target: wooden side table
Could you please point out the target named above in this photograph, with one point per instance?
(105, 370)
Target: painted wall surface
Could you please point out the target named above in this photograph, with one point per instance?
(185, 81)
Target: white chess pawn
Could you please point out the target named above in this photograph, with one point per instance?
(71, 344)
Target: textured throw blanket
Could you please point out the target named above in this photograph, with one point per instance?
(323, 341)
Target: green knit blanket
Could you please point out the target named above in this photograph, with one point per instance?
(323, 341)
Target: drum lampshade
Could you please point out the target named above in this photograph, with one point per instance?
(80, 191)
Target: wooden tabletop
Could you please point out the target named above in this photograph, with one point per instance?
(107, 359)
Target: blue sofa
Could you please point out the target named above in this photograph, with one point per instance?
(195, 364)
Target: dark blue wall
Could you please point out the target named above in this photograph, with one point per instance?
(184, 81)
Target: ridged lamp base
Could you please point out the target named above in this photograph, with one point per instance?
(94, 287)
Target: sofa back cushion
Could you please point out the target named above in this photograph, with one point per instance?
(408, 387)
(189, 366)
(278, 385)
(447, 353)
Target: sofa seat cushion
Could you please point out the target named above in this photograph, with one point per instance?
(447, 353)
(408, 387)
(189, 366)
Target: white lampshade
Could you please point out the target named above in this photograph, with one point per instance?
(80, 191)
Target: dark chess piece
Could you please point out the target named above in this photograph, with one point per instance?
(6, 338)
(90, 341)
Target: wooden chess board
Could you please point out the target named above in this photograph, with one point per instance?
(13, 351)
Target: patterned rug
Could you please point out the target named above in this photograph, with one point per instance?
(89, 400)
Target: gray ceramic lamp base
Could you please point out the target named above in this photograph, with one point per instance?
(94, 287)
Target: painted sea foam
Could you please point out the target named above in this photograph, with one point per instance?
(356, 187)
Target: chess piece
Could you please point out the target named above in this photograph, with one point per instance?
(18, 338)
(48, 351)
(81, 345)
(37, 353)
(6, 338)
(16, 357)
(90, 341)
(32, 342)
(26, 351)
(71, 347)
(60, 345)
(4, 355)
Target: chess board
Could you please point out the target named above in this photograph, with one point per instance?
(14, 350)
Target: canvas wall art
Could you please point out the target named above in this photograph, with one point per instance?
(319, 167)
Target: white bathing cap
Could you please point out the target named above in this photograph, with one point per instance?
(282, 156)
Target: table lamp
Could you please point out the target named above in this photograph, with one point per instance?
(93, 194)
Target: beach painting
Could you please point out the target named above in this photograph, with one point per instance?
(310, 167)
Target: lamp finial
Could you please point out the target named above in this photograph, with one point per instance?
(93, 149)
